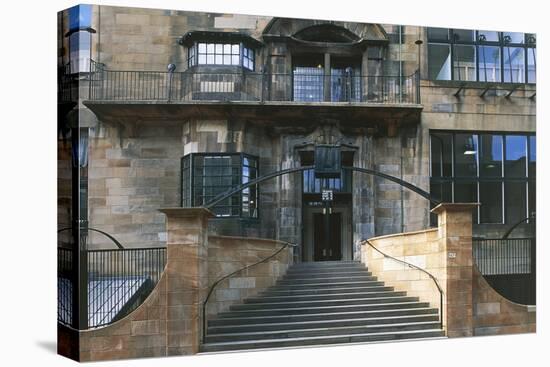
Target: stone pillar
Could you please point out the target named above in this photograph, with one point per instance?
(455, 238)
(186, 277)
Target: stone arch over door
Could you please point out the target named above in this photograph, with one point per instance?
(362, 32)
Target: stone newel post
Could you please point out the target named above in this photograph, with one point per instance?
(186, 277)
(455, 236)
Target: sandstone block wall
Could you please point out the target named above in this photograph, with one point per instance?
(496, 315)
(422, 249)
(228, 254)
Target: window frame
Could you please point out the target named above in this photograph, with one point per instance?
(528, 43)
(187, 199)
(193, 54)
(529, 179)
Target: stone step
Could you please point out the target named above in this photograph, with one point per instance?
(324, 323)
(276, 291)
(347, 315)
(321, 274)
(333, 279)
(315, 297)
(322, 302)
(300, 333)
(318, 269)
(315, 285)
(322, 309)
(322, 340)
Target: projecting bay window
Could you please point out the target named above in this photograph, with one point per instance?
(207, 175)
(485, 56)
(495, 169)
(211, 53)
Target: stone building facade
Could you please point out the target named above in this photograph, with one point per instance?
(253, 95)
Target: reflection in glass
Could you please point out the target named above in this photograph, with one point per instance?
(489, 64)
(514, 68)
(464, 63)
(308, 84)
(515, 199)
(531, 65)
(513, 37)
(438, 34)
(466, 151)
(488, 36)
(490, 197)
(439, 62)
(532, 156)
(490, 156)
(463, 35)
(516, 156)
(441, 154)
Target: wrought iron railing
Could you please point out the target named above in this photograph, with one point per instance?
(436, 283)
(102, 286)
(509, 266)
(114, 85)
(217, 282)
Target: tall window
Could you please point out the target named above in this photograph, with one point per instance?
(496, 170)
(209, 53)
(80, 36)
(485, 56)
(206, 175)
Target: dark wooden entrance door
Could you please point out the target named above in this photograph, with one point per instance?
(325, 247)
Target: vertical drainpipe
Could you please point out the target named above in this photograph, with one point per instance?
(400, 64)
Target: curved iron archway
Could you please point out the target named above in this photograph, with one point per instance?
(227, 194)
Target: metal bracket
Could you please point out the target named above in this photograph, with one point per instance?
(511, 91)
(460, 89)
(487, 88)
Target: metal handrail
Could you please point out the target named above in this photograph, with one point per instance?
(213, 286)
(422, 270)
(115, 241)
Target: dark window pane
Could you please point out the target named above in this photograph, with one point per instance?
(466, 151)
(439, 62)
(488, 36)
(490, 197)
(532, 198)
(531, 65)
(532, 156)
(516, 156)
(489, 64)
(490, 156)
(463, 35)
(438, 34)
(514, 65)
(466, 192)
(441, 154)
(516, 201)
(464, 63)
(440, 191)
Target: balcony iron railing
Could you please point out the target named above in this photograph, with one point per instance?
(108, 85)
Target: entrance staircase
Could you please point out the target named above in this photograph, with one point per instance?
(322, 303)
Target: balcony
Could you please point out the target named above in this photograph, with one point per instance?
(263, 96)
